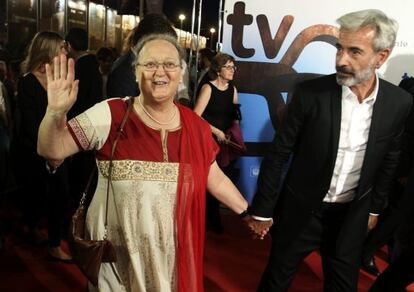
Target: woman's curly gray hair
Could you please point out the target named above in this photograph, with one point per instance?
(152, 37)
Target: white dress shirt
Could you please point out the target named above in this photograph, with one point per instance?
(353, 139)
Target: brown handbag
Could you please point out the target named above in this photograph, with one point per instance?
(89, 254)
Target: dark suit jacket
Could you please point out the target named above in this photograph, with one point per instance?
(121, 79)
(407, 156)
(90, 84)
(405, 232)
(311, 133)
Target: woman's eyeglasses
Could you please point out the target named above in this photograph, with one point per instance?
(230, 67)
(153, 66)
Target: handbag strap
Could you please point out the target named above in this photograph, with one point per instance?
(118, 134)
(86, 195)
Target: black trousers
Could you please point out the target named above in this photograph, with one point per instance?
(57, 203)
(398, 275)
(46, 194)
(340, 264)
(382, 234)
(388, 223)
(213, 217)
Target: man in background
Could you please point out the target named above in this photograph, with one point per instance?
(121, 80)
(106, 58)
(87, 72)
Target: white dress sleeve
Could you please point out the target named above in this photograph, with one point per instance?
(90, 129)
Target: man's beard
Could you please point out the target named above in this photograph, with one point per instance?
(357, 76)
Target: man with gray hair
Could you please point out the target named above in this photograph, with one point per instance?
(343, 131)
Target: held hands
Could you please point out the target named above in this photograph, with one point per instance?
(61, 86)
(259, 229)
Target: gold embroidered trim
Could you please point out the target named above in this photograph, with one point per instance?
(164, 147)
(146, 170)
(83, 129)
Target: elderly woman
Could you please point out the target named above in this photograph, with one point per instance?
(164, 161)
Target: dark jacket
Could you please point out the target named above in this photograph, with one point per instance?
(311, 134)
(90, 84)
(121, 80)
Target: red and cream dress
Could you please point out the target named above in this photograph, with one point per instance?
(155, 202)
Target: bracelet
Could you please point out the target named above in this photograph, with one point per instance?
(244, 214)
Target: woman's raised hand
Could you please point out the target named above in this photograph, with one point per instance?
(62, 87)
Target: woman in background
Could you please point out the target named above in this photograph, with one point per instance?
(41, 187)
(217, 103)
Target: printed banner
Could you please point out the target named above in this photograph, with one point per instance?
(279, 43)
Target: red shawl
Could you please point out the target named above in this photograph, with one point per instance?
(197, 152)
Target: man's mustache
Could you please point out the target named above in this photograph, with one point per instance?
(344, 69)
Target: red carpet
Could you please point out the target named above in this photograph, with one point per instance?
(233, 262)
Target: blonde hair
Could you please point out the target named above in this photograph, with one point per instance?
(128, 42)
(43, 48)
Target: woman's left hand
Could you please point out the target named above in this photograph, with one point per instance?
(221, 137)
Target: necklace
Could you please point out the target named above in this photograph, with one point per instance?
(222, 85)
(154, 119)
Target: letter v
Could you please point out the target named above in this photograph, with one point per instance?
(272, 46)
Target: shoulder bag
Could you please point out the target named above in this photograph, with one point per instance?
(88, 255)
